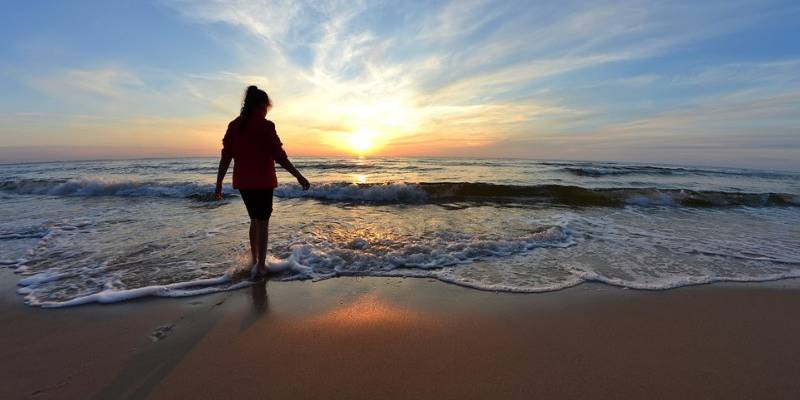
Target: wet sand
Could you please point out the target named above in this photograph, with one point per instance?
(367, 338)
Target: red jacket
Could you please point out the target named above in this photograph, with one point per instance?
(254, 150)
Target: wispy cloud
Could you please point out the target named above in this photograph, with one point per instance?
(719, 120)
(774, 71)
(747, 129)
(105, 81)
(460, 64)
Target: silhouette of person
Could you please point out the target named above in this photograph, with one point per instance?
(252, 142)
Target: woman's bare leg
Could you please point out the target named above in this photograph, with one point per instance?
(253, 241)
(263, 237)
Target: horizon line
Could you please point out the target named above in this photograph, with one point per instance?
(172, 157)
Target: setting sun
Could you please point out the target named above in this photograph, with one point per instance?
(361, 140)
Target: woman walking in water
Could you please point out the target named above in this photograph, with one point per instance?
(251, 140)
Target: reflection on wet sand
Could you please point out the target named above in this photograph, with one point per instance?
(260, 300)
(260, 304)
(368, 310)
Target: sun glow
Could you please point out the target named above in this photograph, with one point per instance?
(362, 140)
(366, 126)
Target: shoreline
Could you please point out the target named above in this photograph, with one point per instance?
(360, 337)
(127, 295)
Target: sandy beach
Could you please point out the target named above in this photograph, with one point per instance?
(409, 338)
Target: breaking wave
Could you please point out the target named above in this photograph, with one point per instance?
(550, 194)
(415, 193)
(88, 187)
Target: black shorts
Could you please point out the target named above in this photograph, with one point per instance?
(258, 203)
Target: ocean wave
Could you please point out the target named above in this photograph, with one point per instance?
(100, 186)
(622, 170)
(336, 165)
(414, 193)
(553, 194)
(24, 234)
(363, 193)
(603, 170)
(367, 166)
(204, 169)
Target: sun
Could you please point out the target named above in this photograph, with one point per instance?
(362, 141)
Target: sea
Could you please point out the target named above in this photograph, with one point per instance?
(109, 231)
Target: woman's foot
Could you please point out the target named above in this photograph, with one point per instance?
(258, 272)
(255, 273)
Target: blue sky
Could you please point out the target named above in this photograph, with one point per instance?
(701, 83)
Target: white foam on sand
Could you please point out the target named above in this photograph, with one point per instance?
(672, 282)
(114, 291)
(112, 295)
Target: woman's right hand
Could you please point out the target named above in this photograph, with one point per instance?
(218, 193)
(303, 182)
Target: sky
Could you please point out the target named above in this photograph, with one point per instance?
(692, 83)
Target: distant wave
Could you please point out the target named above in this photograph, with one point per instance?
(299, 164)
(354, 166)
(322, 166)
(596, 171)
(415, 193)
(617, 171)
(337, 165)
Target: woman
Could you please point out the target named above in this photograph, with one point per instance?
(252, 141)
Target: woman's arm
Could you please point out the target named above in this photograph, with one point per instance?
(224, 163)
(279, 155)
(287, 165)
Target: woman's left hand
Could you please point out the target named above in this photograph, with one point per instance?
(218, 193)
(303, 182)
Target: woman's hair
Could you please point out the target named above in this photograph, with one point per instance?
(254, 99)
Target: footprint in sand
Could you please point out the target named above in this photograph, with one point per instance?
(161, 332)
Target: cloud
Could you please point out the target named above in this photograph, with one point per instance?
(105, 81)
(761, 72)
(352, 80)
(747, 129)
(719, 120)
(463, 51)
